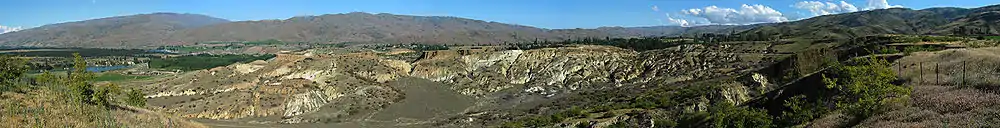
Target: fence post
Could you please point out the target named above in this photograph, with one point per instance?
(963, 73)
(899, 69)
(937, 74)
(921, 75)
(982, 75)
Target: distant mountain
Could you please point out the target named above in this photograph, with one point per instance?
(365, 27)
(172, 29)
(121, 31)
(939, 21)
(389, 28)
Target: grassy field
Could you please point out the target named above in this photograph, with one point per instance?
(198, 62)
(118, 77)
(992, 37)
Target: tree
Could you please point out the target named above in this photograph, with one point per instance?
(79, 80)
(11, 69)
(865, 87)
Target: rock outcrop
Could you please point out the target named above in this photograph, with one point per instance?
(313, 87)
(290, 86)
(548, 70)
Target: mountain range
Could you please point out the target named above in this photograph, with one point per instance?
(159, 29)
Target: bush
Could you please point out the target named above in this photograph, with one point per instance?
(865, 86)
(11, 70)
(725, 115)
(135, 97)
(912, 49)
(102, 95)
(801, 110)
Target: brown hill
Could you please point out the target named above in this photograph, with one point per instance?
(121, 31)
(160, 29)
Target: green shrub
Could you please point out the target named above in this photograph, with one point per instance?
(801, 110)
(725, 115)
(912, 49)
(11, 70)
(865, 85)
(135, 97)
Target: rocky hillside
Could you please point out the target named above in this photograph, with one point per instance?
(319, 86)
(119, 32)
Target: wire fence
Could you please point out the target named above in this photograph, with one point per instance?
(961, 73)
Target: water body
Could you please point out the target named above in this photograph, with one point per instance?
(105, 68)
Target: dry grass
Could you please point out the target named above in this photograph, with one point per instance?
(963, 67)
(46, 108)
(944, 98)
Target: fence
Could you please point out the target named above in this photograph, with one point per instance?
(963, 73)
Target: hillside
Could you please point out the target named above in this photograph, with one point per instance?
(174, 29)
(938, 21)
(121, 31)
(364, 27)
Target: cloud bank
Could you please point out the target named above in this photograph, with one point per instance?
(825, 8)
(880, 4)
(6, 29)
(746, 14)
(756, 13)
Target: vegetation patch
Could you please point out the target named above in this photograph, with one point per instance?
(118, 77)
(203, 61)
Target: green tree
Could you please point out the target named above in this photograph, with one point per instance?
(79, 80)
(866, 86)
(11, 70)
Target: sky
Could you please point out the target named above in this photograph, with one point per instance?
(551, 14)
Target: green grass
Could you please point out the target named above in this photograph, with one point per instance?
(118, 77)
(198, 62)
(992, 37)
(199, 48)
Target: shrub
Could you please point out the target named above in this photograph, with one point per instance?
(801, 110)
(11, 69)
(865, 86)
(725, 115)
(135, 97)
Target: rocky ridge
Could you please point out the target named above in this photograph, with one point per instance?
(313, 86)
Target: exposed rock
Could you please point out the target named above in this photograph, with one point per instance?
(478, 73)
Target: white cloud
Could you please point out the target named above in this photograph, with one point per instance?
(880, 4)
(657, 9)
(825, 8)
(678, 22)
(6, 29)
(747, 14)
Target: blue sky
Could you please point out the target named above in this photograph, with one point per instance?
(551, 14)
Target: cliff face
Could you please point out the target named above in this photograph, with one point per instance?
(311, 86)
(543, 71)
(294, 87)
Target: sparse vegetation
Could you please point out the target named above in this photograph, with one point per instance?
(70, 101)
(203, 61)
(117, 77)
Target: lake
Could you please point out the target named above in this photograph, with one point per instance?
(105, 68)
